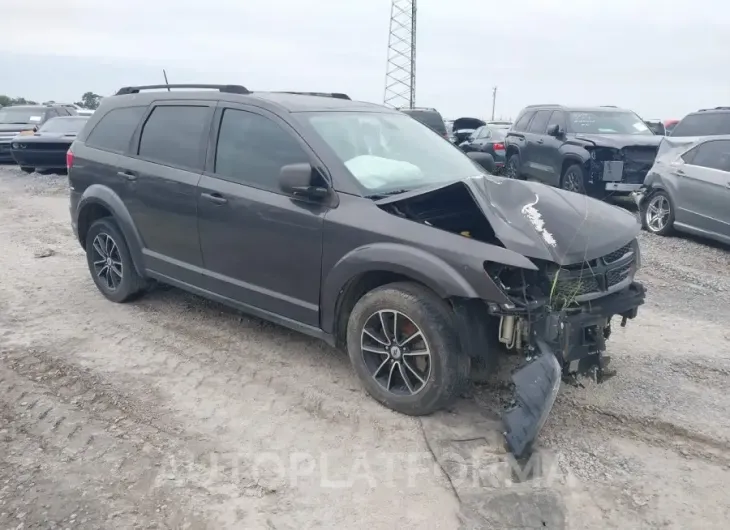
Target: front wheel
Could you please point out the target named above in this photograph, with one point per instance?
(657, 213)
(574, 179)
(512, 169)
(403, 345)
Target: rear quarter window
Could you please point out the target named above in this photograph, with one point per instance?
(703, 124)
(114, 130)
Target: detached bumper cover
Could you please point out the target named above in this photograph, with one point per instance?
(564, 344)
(536, 387)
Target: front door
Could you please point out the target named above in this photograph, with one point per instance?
(260, 246)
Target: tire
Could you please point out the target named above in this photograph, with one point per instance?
(512, 167)
(574, 179)
(27, 169)
(448, 367)
(659, 196)
(121, 283)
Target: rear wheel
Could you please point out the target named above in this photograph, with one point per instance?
(404, 347)
(657, 213)
(110, 262)
(574, 179)
(27, 169)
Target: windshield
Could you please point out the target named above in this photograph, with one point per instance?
(497, 134)
(607, 122)
(64, 125)
(391, 152)
(21, 115)
(703, 124)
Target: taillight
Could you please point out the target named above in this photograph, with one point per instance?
(499, 147)
(69, 159)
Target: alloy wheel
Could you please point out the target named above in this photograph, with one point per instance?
(657, 213)
(395, 352)
(107, 261)
(571, 182)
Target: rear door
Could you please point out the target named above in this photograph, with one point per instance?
(161, 177)
(533, 165)
(704, 188)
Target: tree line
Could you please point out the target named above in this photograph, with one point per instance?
(89, 100)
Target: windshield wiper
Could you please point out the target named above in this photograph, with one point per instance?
(386, 194)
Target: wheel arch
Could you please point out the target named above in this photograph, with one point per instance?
(366, 268)
(99, 201)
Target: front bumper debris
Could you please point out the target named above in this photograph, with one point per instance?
(536, 387)
(564, 344)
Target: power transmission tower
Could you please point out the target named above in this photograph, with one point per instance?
(400, 73)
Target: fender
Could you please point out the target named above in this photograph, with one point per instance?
(104, 196)
(420, 265)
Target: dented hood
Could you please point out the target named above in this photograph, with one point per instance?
(542, 222)
(619, 141)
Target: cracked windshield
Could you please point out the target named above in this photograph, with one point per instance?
(364, 265)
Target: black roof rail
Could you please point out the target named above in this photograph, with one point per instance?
(544, 105)
(336, 95)
(231, 89)
(716, 108)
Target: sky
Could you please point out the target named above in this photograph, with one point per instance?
(660, 58)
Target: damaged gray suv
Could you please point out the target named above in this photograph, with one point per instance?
(356, 224)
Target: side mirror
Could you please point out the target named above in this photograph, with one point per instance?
(554, 130)
(296, 179)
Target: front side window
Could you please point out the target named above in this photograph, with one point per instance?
(252, 149)
(607, 122)
(173, 135)
(539, 124)
(390, 152)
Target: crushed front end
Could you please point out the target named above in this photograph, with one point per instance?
(559, 319)
(620, 170)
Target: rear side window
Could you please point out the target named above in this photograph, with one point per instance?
(173, 135)
(703, 124)
(539, 124)
(521, 125)
(252, 150)
(713, 155)
(115, 129)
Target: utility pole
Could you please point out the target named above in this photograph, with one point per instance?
(400, 74)
(494, 100)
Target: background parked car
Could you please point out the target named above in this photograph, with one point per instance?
(688, 189)
(24, 119)
(704, 122)
(463, 128)
(488, 139)
(592, 150)
(46, 148)
(656, 126)
(429, 117)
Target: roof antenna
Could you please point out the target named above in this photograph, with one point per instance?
(165, 75)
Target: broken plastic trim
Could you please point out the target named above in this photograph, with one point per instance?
(536, 388)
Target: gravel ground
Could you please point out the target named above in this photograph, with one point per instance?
(174, 412)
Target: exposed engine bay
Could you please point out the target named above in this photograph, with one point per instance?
(559, 314)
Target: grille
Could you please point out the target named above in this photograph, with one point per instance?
(592, 278)
(616, 254)
(637, 163)
(618, 275)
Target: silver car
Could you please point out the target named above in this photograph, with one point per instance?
(688, 188)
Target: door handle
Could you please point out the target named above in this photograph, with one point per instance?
(127, 175)
(216, 198)
(541, 141)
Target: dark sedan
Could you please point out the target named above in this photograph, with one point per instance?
(47, 147)
(489, 140)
